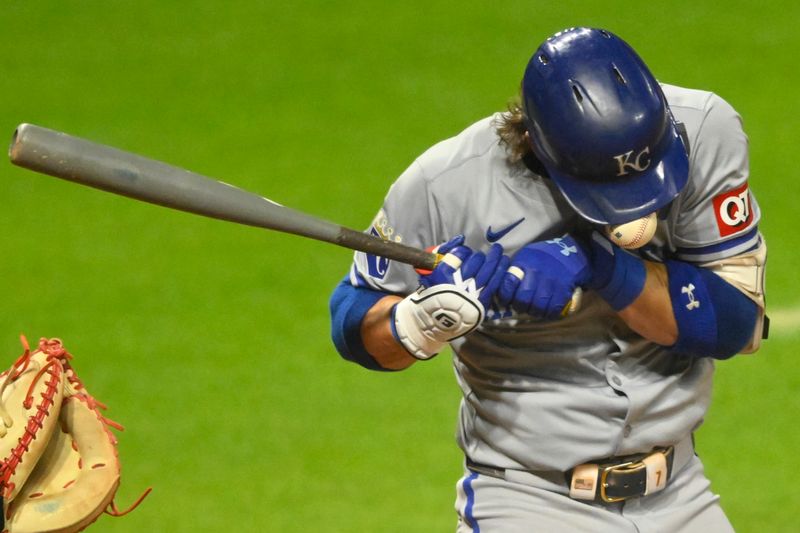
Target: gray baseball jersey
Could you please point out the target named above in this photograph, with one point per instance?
(549, 395)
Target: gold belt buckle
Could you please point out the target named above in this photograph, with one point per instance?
(631, 465)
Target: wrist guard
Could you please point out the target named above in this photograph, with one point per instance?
(426, 320)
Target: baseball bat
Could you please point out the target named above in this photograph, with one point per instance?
(103, 167)
(110, 169)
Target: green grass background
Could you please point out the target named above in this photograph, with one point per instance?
(209, 341)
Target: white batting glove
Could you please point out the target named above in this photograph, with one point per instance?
(425, 321)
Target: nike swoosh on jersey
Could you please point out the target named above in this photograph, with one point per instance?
(494, 236)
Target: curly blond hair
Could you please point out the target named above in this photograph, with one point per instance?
(511, 129)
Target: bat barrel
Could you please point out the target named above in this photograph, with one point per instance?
(103, 167)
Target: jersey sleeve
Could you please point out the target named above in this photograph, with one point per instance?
(408, 216)
(717, 215)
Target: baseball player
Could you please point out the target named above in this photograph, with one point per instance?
(574, 421)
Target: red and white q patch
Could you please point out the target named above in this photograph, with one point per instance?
(732, 209)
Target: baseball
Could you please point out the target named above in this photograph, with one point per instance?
(633, 234)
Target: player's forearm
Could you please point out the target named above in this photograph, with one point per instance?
(680, 305)
(650, 314)
(376, 334)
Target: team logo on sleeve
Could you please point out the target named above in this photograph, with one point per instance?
(378, 266)
(732, 209)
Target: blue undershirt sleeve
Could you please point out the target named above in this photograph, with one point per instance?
(348, 305)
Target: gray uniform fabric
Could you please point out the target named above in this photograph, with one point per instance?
(551, 395)
(489, 505)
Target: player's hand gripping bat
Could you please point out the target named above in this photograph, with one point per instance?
(103, 167)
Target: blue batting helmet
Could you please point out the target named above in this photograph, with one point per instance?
(601, 126)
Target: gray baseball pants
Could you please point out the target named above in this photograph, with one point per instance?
(487, 504)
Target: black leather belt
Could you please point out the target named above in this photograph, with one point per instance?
(607, 480)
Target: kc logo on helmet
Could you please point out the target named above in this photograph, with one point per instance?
(733, 212)
(628, 161)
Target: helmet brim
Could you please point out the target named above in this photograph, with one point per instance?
(620, 200)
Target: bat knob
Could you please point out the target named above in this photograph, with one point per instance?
(574, 304)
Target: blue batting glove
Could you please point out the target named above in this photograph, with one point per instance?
(543, 276)
(478, 273)
(454, 254)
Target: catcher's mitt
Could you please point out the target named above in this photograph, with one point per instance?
(30, 399)
(64, 475)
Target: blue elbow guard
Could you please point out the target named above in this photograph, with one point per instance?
(348, 305)
(714, 318)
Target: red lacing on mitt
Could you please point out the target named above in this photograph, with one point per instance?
(54, 347)
(53, 369)
(57, 361)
